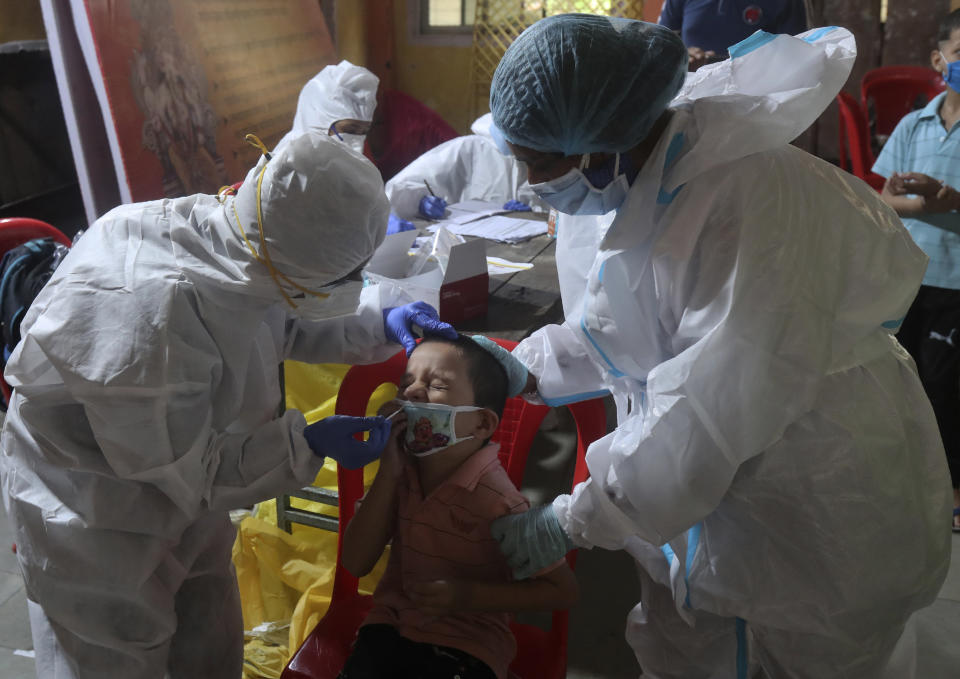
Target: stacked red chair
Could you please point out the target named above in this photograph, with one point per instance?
(853, 141)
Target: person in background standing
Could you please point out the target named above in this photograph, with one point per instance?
(709, 27)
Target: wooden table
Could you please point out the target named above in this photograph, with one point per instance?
(523, 301)
(526, 300)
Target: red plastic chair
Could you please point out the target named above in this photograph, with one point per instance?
(890, 92)
(853, 145)
(16, 231)
(540, 653)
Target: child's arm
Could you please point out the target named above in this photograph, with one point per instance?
(373, 524)
(554, 589)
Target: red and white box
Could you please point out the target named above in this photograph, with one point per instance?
(458, 291)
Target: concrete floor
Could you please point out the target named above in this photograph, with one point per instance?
(608, 591)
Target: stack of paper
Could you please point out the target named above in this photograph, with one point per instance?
(498, 228)
(488, 220)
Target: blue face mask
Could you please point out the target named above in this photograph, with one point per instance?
(585, 191)
(952, 76)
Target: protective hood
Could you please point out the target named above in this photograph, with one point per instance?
(322, 208)
(336, 93)
(771, 89)
(481, 126)
(484, 127)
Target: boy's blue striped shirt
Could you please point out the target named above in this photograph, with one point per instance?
(921, 144)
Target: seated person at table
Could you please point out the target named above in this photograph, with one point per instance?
(443, 606)
(478, 166)
(339, 101)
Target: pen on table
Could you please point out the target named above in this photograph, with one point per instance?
(429, 189)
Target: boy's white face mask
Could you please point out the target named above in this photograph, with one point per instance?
(431, 427)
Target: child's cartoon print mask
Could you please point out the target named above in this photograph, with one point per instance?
(431, 426)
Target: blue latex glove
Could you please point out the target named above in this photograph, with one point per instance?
(516, 206)
(517, 374)
(399, 322)
(531, 541)
(333, 437)
(432, 207)
(396, 225)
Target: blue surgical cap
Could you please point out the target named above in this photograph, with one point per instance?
(579, 83)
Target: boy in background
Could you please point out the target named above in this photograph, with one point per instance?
(443, 606)
(921, 162)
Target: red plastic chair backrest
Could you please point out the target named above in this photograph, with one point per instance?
(518, 427)
(853, 139)
(407, 129)
(16, 231)
(890, 92)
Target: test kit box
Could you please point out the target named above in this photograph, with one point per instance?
(457, 285)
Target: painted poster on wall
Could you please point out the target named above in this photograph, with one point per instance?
(180, 82)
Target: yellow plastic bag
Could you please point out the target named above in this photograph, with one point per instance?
(265, 651)
(288, 577)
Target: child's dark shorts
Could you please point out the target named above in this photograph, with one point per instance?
(379, 652)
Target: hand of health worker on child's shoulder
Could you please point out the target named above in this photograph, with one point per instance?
(531, 540)
(441, 597)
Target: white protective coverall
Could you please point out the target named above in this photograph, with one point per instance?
(776, 469)
(465, 168)
(146, 391)
(341, 91)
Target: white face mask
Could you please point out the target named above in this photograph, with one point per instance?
(354, 141)
(431, 427)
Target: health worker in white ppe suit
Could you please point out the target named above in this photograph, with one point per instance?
(776, 469)
(339, 101)
(478, 166)
(146, 395)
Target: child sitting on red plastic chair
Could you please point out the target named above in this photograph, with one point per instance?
(443, 606)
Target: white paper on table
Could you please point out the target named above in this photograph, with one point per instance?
(498, 265)
(26, 654)
(469, 210)
(498, 228)
(476, 206)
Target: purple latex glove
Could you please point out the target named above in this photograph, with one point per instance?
(432, 207)
(333, 436)
(399, 324)
(516, 206)
(396, 225)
